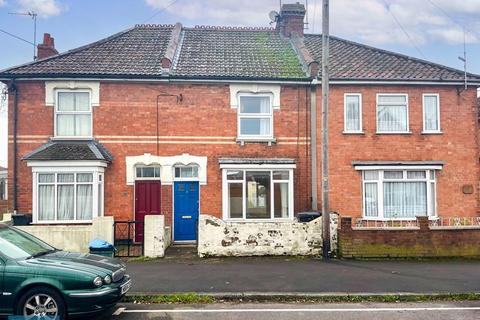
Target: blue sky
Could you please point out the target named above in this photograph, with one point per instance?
(428, 29)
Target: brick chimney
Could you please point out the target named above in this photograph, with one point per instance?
(290, 19)
(47, 48)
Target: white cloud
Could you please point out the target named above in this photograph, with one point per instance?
(44, 8)
(2, 3)
(370, 21)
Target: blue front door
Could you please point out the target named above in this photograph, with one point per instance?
(185, 210)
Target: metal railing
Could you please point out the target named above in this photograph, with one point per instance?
(455, 222)
(380, 224)
(129, 238)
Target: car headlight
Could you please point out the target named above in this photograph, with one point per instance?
(107, 279)
(97, 282)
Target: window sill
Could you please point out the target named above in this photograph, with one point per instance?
(69, 222)
(394, 132)
(432, 132)
(243, 140)
(395, 219)
(72, 138)
(354, 132)
(269, 220)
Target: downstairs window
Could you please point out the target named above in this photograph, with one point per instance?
(399, 194)
(258, 194)
(68, 197)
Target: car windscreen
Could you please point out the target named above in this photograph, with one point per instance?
(20, 245)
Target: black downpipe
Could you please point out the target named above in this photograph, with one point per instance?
(13, 88)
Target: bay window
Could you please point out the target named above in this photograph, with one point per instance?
(399, 194)
(392, 113)
(73, 114)
(67, 197)
(255, 116)
(255, 194)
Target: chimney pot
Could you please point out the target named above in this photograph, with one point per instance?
(291, 19)
(47, 48)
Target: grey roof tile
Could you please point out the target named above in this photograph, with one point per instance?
(70, 150)
(236, 53)
(229, 53)
(354, 61)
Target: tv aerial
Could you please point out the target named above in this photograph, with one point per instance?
(273, 15)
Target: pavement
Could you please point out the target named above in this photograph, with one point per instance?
(360, 311)
(182, 271)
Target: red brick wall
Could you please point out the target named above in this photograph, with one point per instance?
(457, 146)
(130, 110)
(408, 243)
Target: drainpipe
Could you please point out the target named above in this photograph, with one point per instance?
(13, 88)
(313, 143)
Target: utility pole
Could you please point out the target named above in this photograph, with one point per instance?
(325, 96)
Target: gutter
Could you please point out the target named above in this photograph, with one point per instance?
(13, 87)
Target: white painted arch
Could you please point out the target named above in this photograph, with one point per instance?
(167, 165)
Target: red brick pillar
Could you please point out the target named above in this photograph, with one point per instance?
(423, 223)
(346, 224)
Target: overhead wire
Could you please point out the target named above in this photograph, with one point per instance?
(404, 30)
(160, 11)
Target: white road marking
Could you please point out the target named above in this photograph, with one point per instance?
(299, 310)
(119, 311)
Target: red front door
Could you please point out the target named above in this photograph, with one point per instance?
(147, 201)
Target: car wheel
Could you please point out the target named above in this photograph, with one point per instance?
(41, 303)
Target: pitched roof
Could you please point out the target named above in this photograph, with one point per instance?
(354, 61)
(237, 53)
(70, 150)
(228, 53)
(133, 52)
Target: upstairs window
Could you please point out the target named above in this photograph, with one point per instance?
(73, 115)
(255, 117)
(431, 113)
(353, 113)
(392, 113)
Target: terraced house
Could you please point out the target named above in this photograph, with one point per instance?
(182, 121)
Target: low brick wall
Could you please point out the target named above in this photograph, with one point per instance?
(221, 238)
(411, 242)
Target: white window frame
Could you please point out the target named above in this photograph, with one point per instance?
(359, 95)
(148, 178)
(225, 189)
(407, 131)
(439, 130)
(431, 210)
(4, 196)
(254, 137)
(57, 112)
(195, 178)
(97, 208)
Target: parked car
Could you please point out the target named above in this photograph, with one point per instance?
(40, 282)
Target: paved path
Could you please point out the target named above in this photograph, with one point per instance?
(292, 275)
(404, 311)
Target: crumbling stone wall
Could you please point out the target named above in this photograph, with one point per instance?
(219, 238)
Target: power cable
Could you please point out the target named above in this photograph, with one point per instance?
(403, 29)
(160, 10)
(16, 37)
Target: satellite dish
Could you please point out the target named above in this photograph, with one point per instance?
(273, 15)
